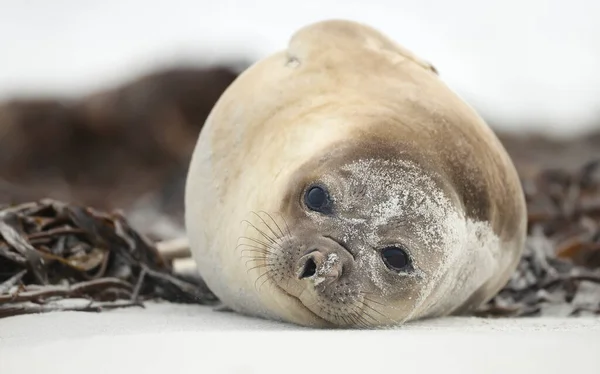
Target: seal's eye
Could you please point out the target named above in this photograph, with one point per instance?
(317, 199)
(395, 258)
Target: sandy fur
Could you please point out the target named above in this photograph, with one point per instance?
(272, 120)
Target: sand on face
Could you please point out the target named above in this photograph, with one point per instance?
(192, 339)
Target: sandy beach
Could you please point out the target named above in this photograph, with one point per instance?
(193, 339)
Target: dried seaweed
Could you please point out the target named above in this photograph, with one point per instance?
(51, 252)
(559, 273)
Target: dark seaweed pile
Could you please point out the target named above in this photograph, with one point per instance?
(559, 273)
(56, 256)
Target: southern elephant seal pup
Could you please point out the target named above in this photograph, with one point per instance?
(341, 183)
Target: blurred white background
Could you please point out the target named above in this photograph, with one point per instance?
(530, 64)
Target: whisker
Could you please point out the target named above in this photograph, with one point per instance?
(366, 313)
(356, 313)
(256, 241)
(370, 307)
(266, 280)
(254, 258)
(286, 225)
(258, 257)
(270, 271)
(261, 232)
(365, 323)
(266, 224)
(348, 322)
(275, 222)
(336, 318)
(258, 267)
(359, 320)
(345, 319)
(262, 252)
(375, 302)
(252, 246)
(378, 312)
(247, 247)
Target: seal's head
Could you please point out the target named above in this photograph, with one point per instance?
(368, 236)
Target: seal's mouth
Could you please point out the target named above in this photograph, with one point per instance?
(300, 304)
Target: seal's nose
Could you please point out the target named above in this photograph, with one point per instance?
(309, 269)
(320, 266)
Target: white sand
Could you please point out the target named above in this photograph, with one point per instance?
(188, 339)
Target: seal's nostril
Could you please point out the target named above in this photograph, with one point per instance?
(309, 269)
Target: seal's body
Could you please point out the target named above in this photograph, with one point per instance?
(342, 183)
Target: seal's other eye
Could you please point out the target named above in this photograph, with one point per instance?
(316, 198)
(395, 258)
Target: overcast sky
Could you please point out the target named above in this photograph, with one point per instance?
(518, 61)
